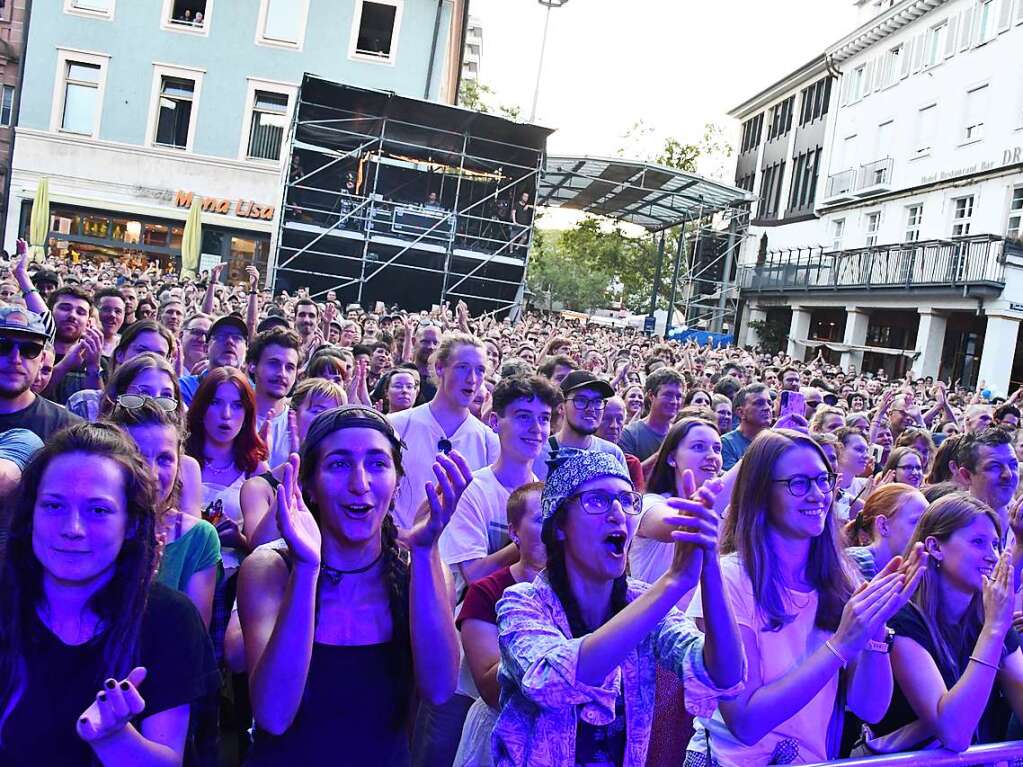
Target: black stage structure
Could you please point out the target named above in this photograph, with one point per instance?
(405, 202)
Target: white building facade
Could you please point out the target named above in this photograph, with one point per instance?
(912, 257)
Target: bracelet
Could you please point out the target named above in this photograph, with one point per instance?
(982, 662)
(827, 643)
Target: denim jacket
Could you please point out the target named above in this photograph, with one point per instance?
(542, 701)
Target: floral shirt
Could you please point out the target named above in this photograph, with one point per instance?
(542, 701)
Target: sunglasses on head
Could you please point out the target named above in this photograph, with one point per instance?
(27, 349)
(135, 401)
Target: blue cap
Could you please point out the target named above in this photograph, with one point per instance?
(578, 469)
(15, 319)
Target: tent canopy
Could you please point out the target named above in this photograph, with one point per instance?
(651, 196)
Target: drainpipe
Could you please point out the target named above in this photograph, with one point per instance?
(433, 50)
(16, 107)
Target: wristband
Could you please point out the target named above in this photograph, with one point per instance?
(975, 659)
(827, 643)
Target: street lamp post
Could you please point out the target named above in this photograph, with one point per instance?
(543, 48)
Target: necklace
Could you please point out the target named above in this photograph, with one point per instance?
(217, 469)
(335, 576)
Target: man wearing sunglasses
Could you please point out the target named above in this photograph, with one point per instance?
(22, 338)
(585, 398)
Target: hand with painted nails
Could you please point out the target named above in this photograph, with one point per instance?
(114, 707)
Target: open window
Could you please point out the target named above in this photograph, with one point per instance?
(376, 30)
(187, 15)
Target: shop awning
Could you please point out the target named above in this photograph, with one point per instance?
(838, 346)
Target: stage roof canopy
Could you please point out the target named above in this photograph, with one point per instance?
(651, 196)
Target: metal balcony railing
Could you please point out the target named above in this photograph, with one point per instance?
(989, 755)
(877, 173)
(936, 264)
(840, 183)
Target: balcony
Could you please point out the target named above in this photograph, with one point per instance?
(875, 177)
(948, 265)
(840, 187)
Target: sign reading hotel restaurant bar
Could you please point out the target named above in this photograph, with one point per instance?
(1010, 156)
(240, 208)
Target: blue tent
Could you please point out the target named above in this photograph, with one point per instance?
(702, 337)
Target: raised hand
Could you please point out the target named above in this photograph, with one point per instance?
(999, 596)
(115, 706)
(793, 421)
(295, 521)
(697, 535)
(253, 274)
(453, 476)
(293, 440)
(867, 610)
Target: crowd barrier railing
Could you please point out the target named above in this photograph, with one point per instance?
(1008, 754)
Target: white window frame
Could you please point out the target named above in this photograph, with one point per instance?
(966, 221)
(974, 132)
(64, 55)
(837, 233)
(856, 87)
(872, 233)
(14, 100)
(71, 8)
(914, 222)
(274, 86)
(302, 8)
(987, 15)
(399, 6)
(921, 150)
(892, 67)
(169, 26)
(161, 71)
(938, 33)
(1015, 232)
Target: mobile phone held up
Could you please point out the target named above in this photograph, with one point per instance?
(792, 403)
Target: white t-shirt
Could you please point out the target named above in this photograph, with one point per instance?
(278, 441)
(802, 739)
(650, 559)
(421, 433)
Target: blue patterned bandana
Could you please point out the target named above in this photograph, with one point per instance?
(574, 471)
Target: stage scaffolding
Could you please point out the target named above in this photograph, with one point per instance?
(395, 200)
(708, 221)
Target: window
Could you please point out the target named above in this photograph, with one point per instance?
(891, 67)
(935, 44)
(926, 122)
(91, 8)
(1014, 230)
(815, 101)
(873, 225)
(751, 130)
(191, 16)
(266, 129)
(175, 112)
(987, 22)
(962, 213)
(837, 231)
(6, 106)
(282, 23)
(770, 190)
(856, 83)
(804, 180)
(375, 32)
(914, 217)
(81, 97)
(975, 112)
(781, 118)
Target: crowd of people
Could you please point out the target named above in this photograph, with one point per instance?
(247, 528)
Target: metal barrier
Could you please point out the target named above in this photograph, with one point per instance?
(991, 755)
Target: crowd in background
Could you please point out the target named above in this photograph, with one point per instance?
(248, 528)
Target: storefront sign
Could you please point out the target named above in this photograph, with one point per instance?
(225, 207)
(1010, 156)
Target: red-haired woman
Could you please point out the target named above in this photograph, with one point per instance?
(222, 437)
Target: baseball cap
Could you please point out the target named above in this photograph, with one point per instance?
(14, 319)
(579, 379)
(46, 275)
(567, 476)
(273, 321)
(230, 321)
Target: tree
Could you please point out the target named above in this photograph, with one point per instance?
(474, 95)
(558, 272)
(772, 334)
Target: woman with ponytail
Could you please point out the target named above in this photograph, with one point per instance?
(882, 529)
(344, 628)
(580, 644)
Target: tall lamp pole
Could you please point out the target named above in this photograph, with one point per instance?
(543, 48)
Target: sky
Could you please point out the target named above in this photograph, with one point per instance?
(674, 64)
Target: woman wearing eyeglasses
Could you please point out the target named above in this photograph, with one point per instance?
(344, 628)
(906, 466)
(580, 644)
(801, 615)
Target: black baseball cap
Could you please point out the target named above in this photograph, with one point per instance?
(584, 379)
(230, 321)
(46, 275)
(272, 321)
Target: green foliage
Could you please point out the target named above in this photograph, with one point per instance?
(557, 275)
(773, 335)
(475, 95)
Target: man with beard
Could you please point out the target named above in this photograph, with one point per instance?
(585, 399)
(663, 390)
(427, 340)
(273, 366)
(111, 307)
(752, 405)
(22, 339)
(307, 316)
(131, 302)
(78, 347)
(172, 314)
(226, 349)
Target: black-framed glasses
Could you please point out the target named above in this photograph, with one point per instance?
(599, 501)
(916, 469)
(799, 485)
(29, 350)
(583, 404)
(135, 401)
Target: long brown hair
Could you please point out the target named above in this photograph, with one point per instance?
(126, 374)
(119, 604)
(828, 569)
(248, 448)
(662, 477)
(944, 517)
